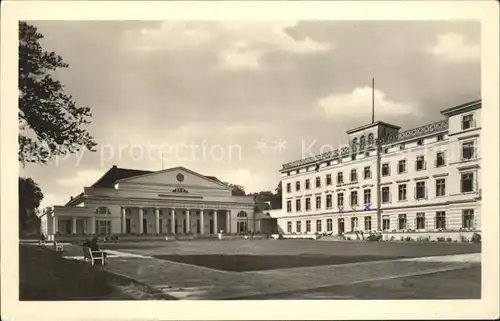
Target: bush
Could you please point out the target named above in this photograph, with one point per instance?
(448, 239)
(423, 238)
(374, 237)
(476, 238)
(463, 239)
(408, 239)
(440, 239)
(392, 238)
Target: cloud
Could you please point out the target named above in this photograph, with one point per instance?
(452, 47)
(358, 103)
(246, 178)
(84, 177)
(239, 45)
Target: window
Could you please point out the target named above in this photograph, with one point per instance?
(386, 150)
(308, 203)
(289, 227)
(402, 146)
(103, 226)
(308, 226)
(329, 179)
(420, 142)
(103, 210)
(386, 198)
(297, 186)
(298, 226)
(402, 166)
(353, 157)
(386, 223)
(440, 160)
(318, 202)
(468, 150)
(354, 144)
(367, 196)
(328, 163)
(308, 184)
(441, 220)
(367, 172)
(354, 224)
(354, 198)
(420, 192)
(329, 201)
(354, 175)
(340, 199)
(340, 178)
(402, 192)
(467, 182)
(288, 173)
(318, 226)
(288, 187)
(362, 142)
(420, 163)
(329, 225)
(467, 122)
(370, 139)
(289, 206)
(368, 223)
(440, 187)
(420, 223)
(402, 221)
(468, 218)
(440, 138)
(318, 182)
(386, 170)
(297, 205)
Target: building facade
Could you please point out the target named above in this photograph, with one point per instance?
(423, 179)
(166, 202)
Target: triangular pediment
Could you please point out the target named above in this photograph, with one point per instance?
(180, 177)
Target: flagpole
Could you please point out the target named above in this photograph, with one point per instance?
(373, 100)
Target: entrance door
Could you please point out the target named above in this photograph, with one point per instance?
(161, 225)
(211, 226)
(128, 228)
(144, 226)
(198, 227)
(341, 226)
(184, 226)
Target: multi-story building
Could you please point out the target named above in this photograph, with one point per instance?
(426, 178)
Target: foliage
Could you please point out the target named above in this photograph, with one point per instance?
(440, 239)
(374, 237)
(449, 239)
(463, 238)
(30, 196)
(50, 122)
(476, 238)
(237, 190)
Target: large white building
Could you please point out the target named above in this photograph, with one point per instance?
(426, 178)
(171, 201)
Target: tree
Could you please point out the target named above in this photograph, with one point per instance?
(30, 196)
(50, 122)
(237, 190)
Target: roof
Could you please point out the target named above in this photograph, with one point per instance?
(462, 108)
(115, 174)
(357, 129)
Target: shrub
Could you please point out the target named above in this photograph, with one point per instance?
(423, 238)
(408, 239)
(392, 238)
(448, 239)
(476, 238)
(463, 238)
(374, 237)
(440, 239)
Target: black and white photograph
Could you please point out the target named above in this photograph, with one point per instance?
(250, 160)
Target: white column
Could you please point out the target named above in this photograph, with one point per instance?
(74, 226)
(216, 230)
(202, 223)
(93, 225)
(124, 220)
(54, 224)
(188, 221)
(157, 220)
(172, 218)
(141, 217)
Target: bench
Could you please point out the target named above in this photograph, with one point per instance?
(93, 256)
(58, 246)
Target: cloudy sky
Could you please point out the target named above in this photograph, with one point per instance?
(238, 99)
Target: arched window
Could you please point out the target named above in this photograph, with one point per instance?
(103, 210)
(355, 144)
(362, 142)
(370, 139)
(242, 214)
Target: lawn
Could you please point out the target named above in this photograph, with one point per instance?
(44, 275)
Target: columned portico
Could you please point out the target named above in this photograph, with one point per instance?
(141, 220)
(216, 230)
(228, 222)
(157, 220)
(188, 221)
(124, 220)
(173, 221)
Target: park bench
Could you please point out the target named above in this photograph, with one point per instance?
(58, 246)
(93, 256)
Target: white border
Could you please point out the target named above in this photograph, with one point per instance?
(12, 309)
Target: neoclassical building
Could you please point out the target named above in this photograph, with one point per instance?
(426, 178)
(171, 201)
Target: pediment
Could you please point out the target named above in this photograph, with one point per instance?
(179, 178)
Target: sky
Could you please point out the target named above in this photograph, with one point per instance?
(236, 100)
